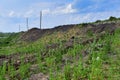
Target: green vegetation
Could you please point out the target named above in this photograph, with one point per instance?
(112, 18)
(61, 57)
(7, 39)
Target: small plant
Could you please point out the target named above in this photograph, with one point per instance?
(2, 71)
(68, 73)
(23, 70)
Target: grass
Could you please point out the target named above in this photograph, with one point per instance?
(102, 62)
(2, 72)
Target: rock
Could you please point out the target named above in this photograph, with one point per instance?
(2, 56)
(39, 76)
(67, 58)
(84, 53)
(68, 45)
(52, 46)
(34, 68)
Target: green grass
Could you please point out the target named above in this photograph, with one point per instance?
(102, 62)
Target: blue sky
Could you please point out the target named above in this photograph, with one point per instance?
(55, 12)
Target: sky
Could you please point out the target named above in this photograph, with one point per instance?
(55, 12)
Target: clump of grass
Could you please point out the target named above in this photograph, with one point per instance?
(3, 71)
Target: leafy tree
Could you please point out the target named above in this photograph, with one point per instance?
(112, 18)
(98, 21)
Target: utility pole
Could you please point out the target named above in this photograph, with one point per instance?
(27, 23)
(19, 28)
(40, 19)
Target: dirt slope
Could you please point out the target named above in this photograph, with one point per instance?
(35, 33)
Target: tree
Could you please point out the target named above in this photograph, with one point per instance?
(112, 18)
(98, 21)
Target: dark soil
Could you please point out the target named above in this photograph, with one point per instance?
(35, 33)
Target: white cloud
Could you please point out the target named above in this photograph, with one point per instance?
(8, 14)
(69, 9)
(28, 13)
(11, 14)
(53, 14)
(46, 11)
(64, 9)
(47, 8)
(91, 17)
(52, 21)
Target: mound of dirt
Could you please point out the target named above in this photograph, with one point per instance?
(108, 27)
(63, 28)
(32, 34)
(35, 33)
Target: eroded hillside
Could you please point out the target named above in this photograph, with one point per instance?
(88, 51)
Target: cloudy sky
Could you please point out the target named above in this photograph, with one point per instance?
(55, 12)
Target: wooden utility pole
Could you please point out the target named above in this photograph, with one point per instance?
(40, 19)
(27, 23)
